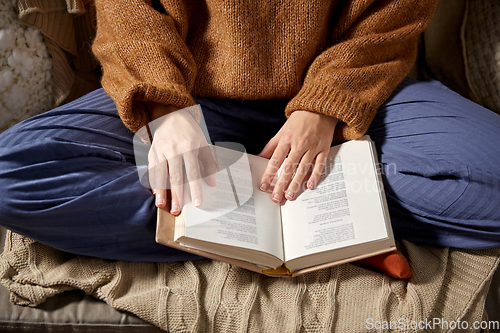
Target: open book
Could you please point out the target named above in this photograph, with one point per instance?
(344, 219)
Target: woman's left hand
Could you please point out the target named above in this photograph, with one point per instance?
(306, 138)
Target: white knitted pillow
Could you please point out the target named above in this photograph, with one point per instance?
(25, 69)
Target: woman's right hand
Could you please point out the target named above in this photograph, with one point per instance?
(178, 141)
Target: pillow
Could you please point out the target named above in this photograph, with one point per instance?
(481, 44)
(25, 69)
(461, 49)
(440, 54)
(68, 29)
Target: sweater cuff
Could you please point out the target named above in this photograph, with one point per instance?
(134, 113)
(355, 115)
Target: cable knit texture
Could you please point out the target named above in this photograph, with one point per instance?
(340, 58)
(211, 296)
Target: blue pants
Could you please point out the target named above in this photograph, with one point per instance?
(68, 177)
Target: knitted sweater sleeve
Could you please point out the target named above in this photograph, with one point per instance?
(373, 46)
(144, 57)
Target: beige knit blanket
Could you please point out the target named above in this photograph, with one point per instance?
(210, 296)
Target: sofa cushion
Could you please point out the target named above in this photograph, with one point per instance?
(71, 311)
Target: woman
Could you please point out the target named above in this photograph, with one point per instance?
(285, 78)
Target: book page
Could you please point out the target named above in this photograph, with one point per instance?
(344, 209)
(236, 212)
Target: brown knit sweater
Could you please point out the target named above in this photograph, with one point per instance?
(336, 57)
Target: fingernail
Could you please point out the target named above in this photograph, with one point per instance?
(310, 185)
(154, 191)
(289, 195)
(263, 187)
(160, 201)
(174, 209)
(197, 202)
(276, 198)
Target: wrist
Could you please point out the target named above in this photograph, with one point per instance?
(320, 116)
(158, 110)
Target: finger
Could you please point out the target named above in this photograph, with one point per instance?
(176, 182)
(175, 207)
(158, 177)
(152, 180)
(270, 147)
(306, 164)
(286, 174)
(319, 166)
(193, 174)
(152, 162)
(161, 198)
(273, 165)
(209, 165)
